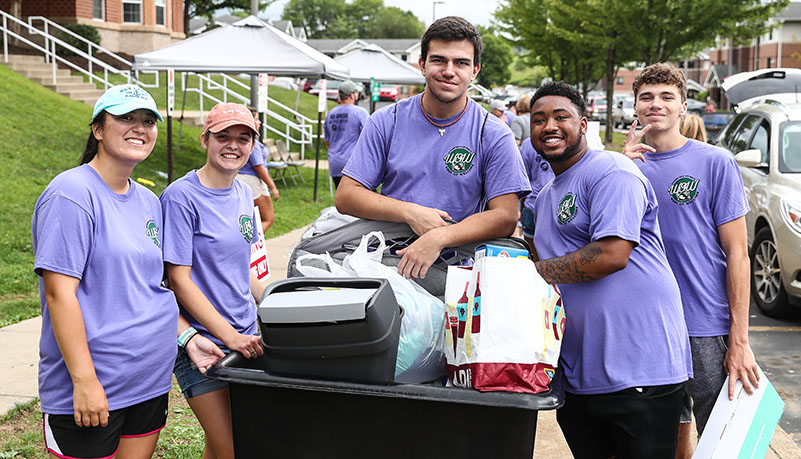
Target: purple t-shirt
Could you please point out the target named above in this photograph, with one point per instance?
(342, 128)
(458, 171)
(699, 188)
(211, 230)
(257, 158)
(626, 329)
(509, 117)
(111, 243)
(539, 171)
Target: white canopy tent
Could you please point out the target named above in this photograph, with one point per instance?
(375, 62)
(247, 46)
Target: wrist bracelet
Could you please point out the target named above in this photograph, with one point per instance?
(185, 336)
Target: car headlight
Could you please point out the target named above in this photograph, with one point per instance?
(792, 215)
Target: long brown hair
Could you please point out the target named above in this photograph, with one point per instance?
(91, 143)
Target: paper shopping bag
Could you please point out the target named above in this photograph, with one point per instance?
(504, 325)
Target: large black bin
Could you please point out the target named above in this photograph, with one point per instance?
(282, 417)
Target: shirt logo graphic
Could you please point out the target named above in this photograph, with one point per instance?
(246, 227)
(567, 208)
(684, 190)
(459, 161)
(152, 231)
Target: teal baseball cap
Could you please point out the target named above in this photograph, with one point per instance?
(125, 98)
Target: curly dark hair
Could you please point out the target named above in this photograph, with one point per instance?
(661, 73)
(452, 28)
(562, 89)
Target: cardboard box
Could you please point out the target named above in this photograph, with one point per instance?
(743, 427)
(489, 250)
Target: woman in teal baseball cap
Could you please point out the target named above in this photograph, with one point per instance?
(107, 346)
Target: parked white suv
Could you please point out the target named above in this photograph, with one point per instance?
(766, 141)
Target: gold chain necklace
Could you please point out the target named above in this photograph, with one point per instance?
(443, 126)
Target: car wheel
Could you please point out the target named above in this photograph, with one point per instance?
(766, 281)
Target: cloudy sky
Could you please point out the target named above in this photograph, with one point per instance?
(476, 11)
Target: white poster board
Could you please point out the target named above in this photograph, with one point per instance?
(259, 263)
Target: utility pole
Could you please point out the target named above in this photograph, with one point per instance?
(434, 9)
(254, 79)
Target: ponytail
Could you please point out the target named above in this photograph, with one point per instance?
(91, 143)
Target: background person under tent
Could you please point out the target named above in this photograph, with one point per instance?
(343, 125)
(255, 175)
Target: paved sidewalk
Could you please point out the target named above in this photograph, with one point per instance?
(20, 354)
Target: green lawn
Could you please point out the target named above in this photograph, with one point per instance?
(44, 134)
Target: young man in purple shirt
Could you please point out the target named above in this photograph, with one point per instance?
(702, 205)
(343, 125)
(438, 157)
(625, 353)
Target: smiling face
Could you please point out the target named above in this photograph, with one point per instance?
(229, 149)
(557, 131)
(660, 105)
(128, 138)
(449, 69)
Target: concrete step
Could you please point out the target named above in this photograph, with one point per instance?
(48, 80)
(43, 73)
(25, 65)
(67, 86)
(25, 58)
(90, 101)
(81, 93)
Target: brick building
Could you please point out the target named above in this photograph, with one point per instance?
(125, 26)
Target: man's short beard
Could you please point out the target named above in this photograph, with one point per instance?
(568, 152)
(441, 99)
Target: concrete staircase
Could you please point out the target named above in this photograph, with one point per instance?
(36, 69)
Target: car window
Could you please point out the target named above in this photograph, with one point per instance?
(728, 137)
(790, 155)
(761, 140)
(743, 134)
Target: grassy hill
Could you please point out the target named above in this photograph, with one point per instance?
(44, 134)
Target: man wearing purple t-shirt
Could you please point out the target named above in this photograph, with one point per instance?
(438, 157)
(539, 173)
(625, 353)
(342, 128)
(702, 205)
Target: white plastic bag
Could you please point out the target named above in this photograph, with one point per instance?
(421, 344)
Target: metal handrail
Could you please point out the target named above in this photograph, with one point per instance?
(50, 51)
(90, 46)
(304, 129)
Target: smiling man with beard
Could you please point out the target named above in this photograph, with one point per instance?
(625, 353)
(438, 157)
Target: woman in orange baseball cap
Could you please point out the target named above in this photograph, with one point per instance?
(208, 231)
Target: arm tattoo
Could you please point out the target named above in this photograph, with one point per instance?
(571, 268)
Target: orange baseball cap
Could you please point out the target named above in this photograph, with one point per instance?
(225, 115)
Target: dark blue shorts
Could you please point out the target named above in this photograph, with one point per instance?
(527, 221)
(191, 380)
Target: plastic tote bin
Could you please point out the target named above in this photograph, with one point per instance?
(344, 328)
(284, 417)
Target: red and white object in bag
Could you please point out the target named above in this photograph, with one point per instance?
(503, 326)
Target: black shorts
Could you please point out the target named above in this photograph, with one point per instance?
(65, 439)
(625, 424)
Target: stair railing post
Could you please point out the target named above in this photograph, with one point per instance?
(5, 38)
(55, 65)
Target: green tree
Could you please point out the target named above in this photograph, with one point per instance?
(393, 22)
(355, 19)
(619, 32)
(532, 24)
(495, 60)
(207, 8)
